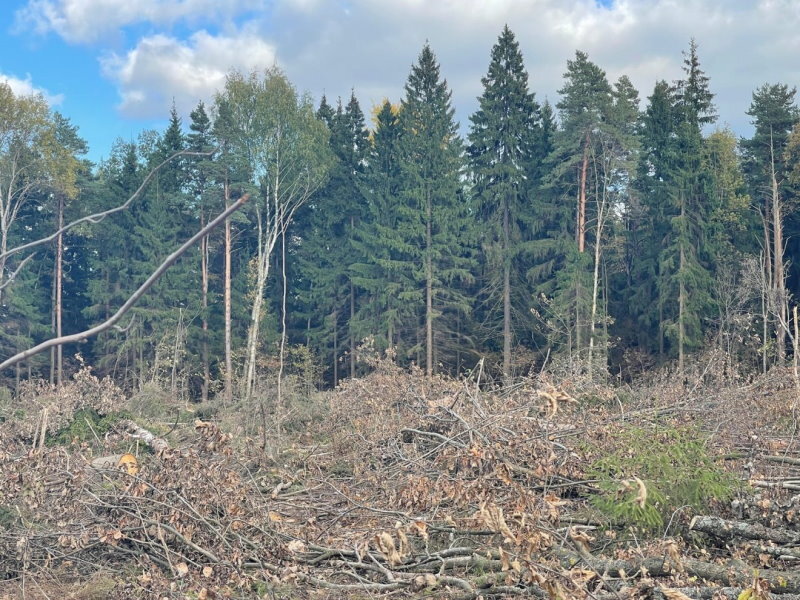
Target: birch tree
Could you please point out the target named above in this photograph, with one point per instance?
(286, 149)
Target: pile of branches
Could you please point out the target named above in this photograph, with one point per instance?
(411, 485)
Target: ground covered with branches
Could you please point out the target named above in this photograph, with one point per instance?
(396, 485)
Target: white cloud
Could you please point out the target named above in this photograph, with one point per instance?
(162, 68)
(25, 87)
(371, 44)
(332, 46)
(82, 21)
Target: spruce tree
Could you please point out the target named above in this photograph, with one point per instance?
(435, 217)
(502, 143)
(688, 259)
(384, 253)
(648, 219)
(327, 253)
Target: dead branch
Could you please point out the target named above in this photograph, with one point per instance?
(19, 268)
(97, 217)
(168, 262)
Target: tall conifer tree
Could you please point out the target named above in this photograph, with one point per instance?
(437, 223)
(502, 144)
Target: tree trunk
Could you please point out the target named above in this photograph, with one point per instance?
(53, 324)
(282, 354)
(204, 304)
(264, 248)
(428, 286)
(227, 300)
(335, 348)
(778, 280)
(506, 293)
(59, 290)
(580, 230)
(681, 312)
(352, 315)
(595, 290)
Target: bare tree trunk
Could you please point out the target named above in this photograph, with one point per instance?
(283, 318)
(335, 348)
(53, 325)
(681, 311)
(580, 230)
(175, 355)
(204, 304)
(428, 286)
(59, 290)
(227, 300)
(595, 290)
(778, 280)
(352, 315)
(506, 293)
(263, 265)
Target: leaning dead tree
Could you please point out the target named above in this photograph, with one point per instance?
(110, 322)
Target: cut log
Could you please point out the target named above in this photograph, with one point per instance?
(728, 530)
(709, 593)
(734, 573)
(158, 445)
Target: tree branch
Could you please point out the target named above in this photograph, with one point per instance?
(168, 262)
(97, 217)
(13, 275)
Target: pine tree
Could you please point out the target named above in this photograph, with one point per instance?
(502, 145)
(585, 107)
(434, 215)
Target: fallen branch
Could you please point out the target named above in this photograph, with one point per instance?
(155, 276)
(97, 217)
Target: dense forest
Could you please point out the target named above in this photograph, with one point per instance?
(604, 235)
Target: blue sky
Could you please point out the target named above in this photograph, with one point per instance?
(114, 66)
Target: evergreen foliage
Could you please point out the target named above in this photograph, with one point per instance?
(584, 231)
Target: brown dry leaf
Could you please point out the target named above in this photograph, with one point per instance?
(182, 569)
(422, 529)
(492, 517)
(385, 544)
(503, 474)
(504, 559)
(207, 572)
(581, 539)
(405, 546)
(641, 495)
(553, 502)
(674, 594)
